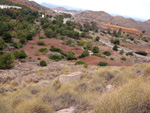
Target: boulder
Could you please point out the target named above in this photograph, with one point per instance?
(70, 77)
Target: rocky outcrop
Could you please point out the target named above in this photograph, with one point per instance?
(71, 77)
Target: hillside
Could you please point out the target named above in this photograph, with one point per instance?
(62, 63)
(103, 17)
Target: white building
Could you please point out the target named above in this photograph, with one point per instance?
(43, 15)
(8, 7)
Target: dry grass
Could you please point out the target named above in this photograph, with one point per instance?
(130, 93)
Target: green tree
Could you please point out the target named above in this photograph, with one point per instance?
(55, 57)
(88, 46)
(97, 38)
(2, 44)
(43, 63)
(84, 54)
(6, 61)
(70, 56)
(115, 48)
(7, 36)
(23, 55)
(95, 49)
(29, 36)
(23, 40)
(16, 53)
(49, 33)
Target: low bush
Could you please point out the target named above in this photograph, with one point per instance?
(6, 61)
(43, 63)
(95, 49)
(107, 53)
(129, 53)
(115, 48)
(55, 57)
(103, 64)
(121, 52)
(80, 63)
(53, 49)
(141, 53)
(41, 43)
(23, 54)
(41, 37)
(43, 50)
(97, 38)
(123, 58)
(70, 56)
(84, 54)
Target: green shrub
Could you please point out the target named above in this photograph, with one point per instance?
(22, 55)
(43, 63)
(55, 57)
(23, 40)
(6, 61)
(121, 52)
(99, 55)
(84, 54)
(80, 43)
(70, 56)
(131, 38)
(129, 53)
(103, 64)
(112, 59)
(41, 43)
(88, 46)
(115, 41)
(95, 49)
(2, 44)
(90, 37)
(141, 53)
(43, 49)
(115, 48)
(7, 36)
(97, 38)
(80, 63)
(41, 37)
(123, 58)
(16, 53)
(69, 42)
(53, 49)
(29, 36)
(107, 53)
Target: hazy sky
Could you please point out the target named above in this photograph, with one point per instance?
(130, 8)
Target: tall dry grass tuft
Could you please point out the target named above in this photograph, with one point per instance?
(33, 106)
(133, 97)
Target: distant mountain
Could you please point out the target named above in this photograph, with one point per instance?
(52, 6)
(60, 9)
(102, 17)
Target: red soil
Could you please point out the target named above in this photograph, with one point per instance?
(49, 42)
(94, 60)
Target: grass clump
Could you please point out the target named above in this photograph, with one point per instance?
(33, 106)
